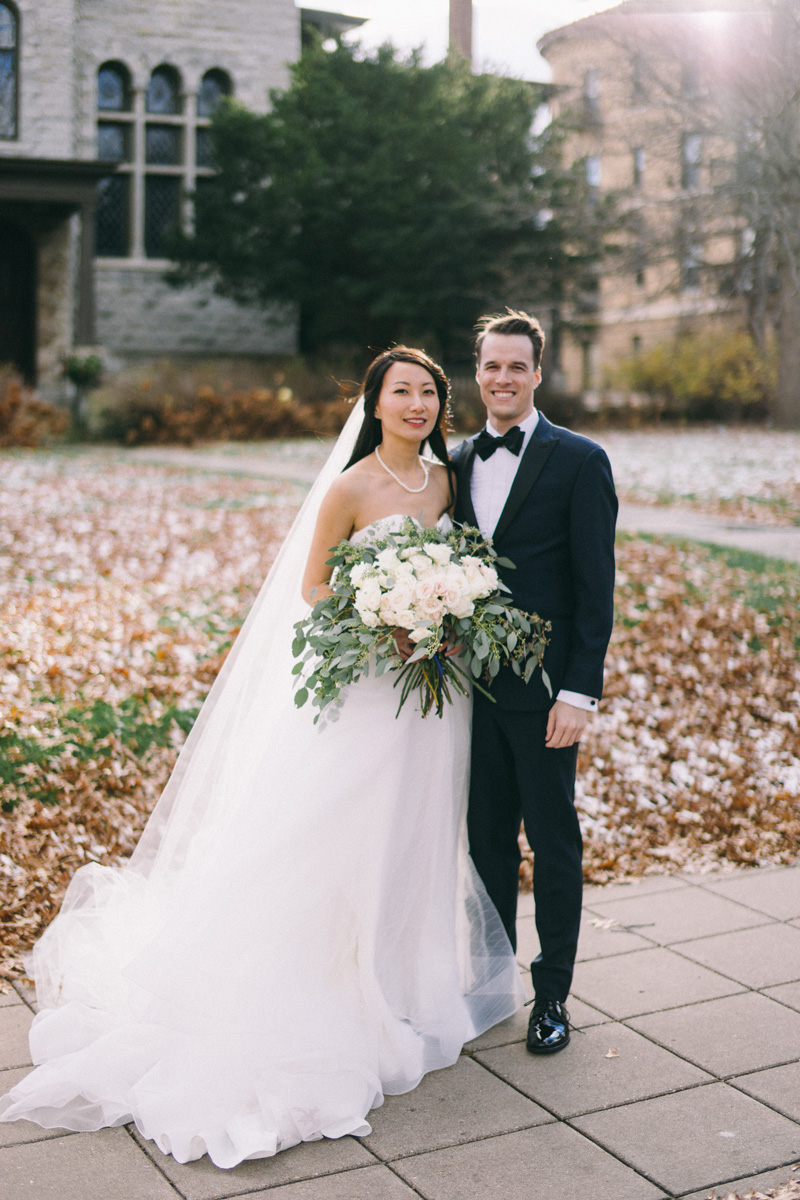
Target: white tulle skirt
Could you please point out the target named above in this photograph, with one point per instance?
(324, 942)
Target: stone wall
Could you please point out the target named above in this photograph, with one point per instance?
(139, 314)
(46, 76)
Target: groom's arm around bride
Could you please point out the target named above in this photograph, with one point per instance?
(546, 496)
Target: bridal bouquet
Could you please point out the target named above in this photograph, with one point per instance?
(444, 589)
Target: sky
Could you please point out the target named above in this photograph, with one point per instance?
(505, 32)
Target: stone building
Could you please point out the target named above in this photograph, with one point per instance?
(631, 81)
(104, 114)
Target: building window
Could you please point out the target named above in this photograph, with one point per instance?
(691, 264)
(215, 87)
(638, 167)
(112, 217)
(591, 96)
(163, 92)
(690, 78)
(114, 145)
(9, 72)
(638, 86)
(594, 171)
(691, 155)
(162, 151)
(639, 265)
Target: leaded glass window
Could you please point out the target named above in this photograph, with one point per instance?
(161, 211)
(112, 142)
(204, 152)
(162, 145)
(163, 92)
(214, 87)
(9, 59)
(113, 88)
(112, 219)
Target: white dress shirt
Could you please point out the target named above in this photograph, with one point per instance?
(491, 483)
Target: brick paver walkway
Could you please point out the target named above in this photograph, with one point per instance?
(685, 1077)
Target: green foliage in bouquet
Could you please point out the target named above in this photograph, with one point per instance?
(444, 589)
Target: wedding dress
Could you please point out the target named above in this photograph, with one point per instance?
(299, 932)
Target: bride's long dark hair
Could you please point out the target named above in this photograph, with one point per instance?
(371, 434)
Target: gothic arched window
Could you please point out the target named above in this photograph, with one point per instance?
(164, 92)
(214, 87)
(114, 145)
(9, 71)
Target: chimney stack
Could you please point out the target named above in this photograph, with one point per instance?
(461, 28)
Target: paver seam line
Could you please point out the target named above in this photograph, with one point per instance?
(636, 929)
(414, 1188)
(675, 948)
(726, 932)
(129, 1128)
(568, 1122)
(35, 1141)
(671, 1050)
(468, 1141)
(767, 1103)
(24, 998)
(743, 990)
(674, 1091)
(664, 1188)
(558, 1121)
(725, 1182)
(146, 1143)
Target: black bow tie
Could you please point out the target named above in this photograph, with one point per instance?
(486, 444)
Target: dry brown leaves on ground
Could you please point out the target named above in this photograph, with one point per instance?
(694, 761)
(789, 1191)
(120, 591)
(122, 586)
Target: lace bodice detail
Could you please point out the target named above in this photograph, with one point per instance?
(393, 524)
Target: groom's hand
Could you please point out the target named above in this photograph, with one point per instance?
(565, 725)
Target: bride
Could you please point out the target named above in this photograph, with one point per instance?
(300, 930)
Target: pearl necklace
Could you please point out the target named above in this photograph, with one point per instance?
(404, 486)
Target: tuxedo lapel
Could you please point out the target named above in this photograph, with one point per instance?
(464, 476)
(541, 445)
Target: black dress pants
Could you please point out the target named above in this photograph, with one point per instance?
(515, 776)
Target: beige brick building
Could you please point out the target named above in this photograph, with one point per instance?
(104, 114)
(633, 82)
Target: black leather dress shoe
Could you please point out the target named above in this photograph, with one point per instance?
(548, 1027)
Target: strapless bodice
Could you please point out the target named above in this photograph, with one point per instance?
(393, 524)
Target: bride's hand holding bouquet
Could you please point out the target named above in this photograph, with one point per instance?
(444, 590)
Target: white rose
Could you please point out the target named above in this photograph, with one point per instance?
(368, 595)
(388, 560)
(432, 608)
(438, 552)
(370, 619)
(420, 562)
(419, 635)
(490, 575)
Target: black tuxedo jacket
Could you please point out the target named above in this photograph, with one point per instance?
(557, 527)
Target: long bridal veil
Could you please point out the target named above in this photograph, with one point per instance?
(300, 930)
(226, 743)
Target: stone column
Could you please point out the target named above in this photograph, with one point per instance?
(461, 28)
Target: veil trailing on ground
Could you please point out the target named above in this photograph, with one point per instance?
(300, 930)
(224, 747)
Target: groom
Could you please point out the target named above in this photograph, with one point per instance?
(546, 497)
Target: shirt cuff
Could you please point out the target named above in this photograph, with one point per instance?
(578, 700)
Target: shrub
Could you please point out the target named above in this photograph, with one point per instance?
(703, 377)
(187, 404)
(25, 420)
